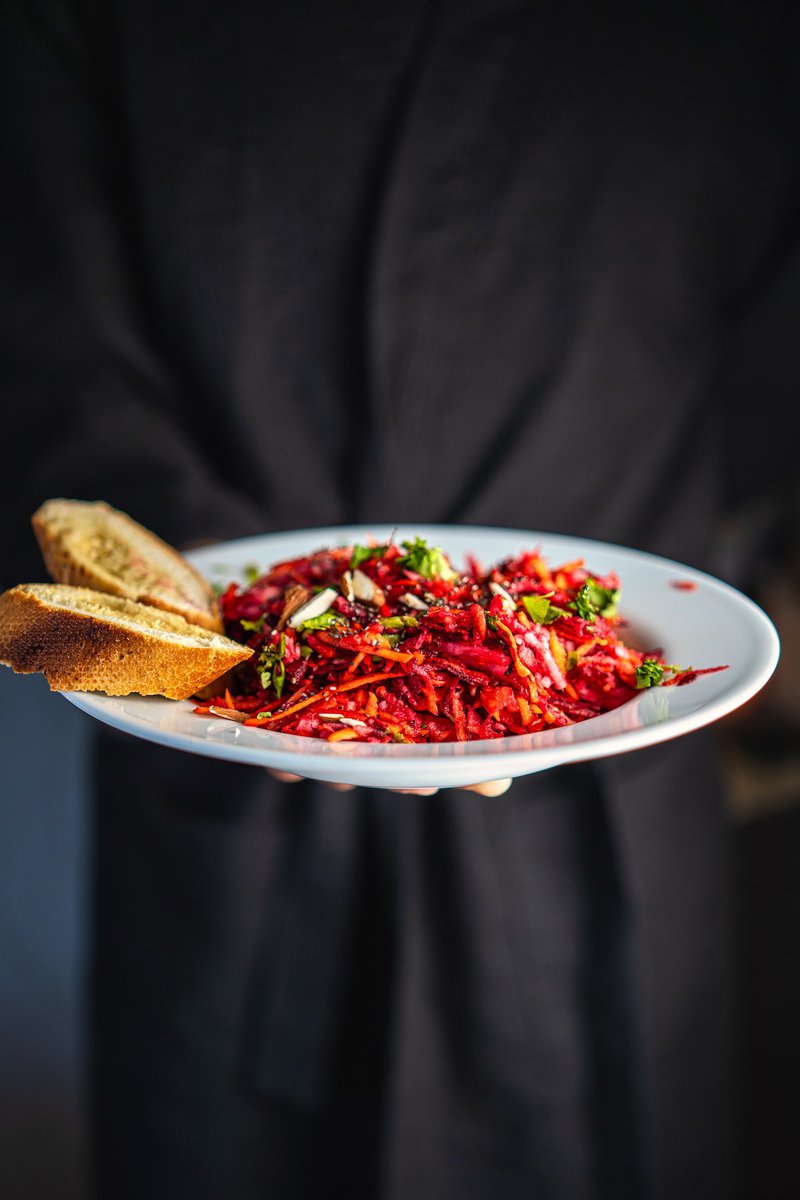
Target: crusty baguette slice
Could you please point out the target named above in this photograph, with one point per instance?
(87, 641)
(90, 544)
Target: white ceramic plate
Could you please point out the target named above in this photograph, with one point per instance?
(700, 626)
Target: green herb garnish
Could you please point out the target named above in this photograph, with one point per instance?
(271, 667)
(256, 626)
(428, 561)
(279, 676)
(649, 674)
(540, 610)
(362, 554)
(592, 599)
(323, 621)
(399, 622)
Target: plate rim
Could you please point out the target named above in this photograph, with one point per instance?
(348, 762)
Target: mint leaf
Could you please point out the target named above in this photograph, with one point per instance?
(537, 607)
(540, 610)
(592, 599)
(604, 598)
(649, 674)
(361, 554)
(428, 561)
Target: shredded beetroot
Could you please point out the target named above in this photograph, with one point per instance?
(405, 649)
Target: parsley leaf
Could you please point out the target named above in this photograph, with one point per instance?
(362, 553)
(540, 610)
(256, 626)
(399, 622)
(537, 607)
(425, 560)
(322, 621)
(592, 599)
(271, 667)
(649, 674)
(251, 572)
(279, 677)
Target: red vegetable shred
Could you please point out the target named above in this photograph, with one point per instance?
(388, 643)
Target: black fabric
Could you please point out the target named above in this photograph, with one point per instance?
(273, 266)
(476, 1037)
(273, 255)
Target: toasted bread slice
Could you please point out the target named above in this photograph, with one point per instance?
(87, 641)
(90, 544)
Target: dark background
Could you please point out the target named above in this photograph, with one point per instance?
(44, 856)
(44, 848)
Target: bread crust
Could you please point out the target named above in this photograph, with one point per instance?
(88, 651)
(64, 530)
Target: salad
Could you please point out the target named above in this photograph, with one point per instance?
(390, 643)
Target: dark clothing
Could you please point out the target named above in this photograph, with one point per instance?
(276, 266)
(309, 994)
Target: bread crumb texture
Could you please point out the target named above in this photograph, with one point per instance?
(90, 544)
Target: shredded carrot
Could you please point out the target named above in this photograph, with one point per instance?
(365, 679)
(392, 655)
(558, 651)
(512, 645)
(462, 665)
(355, 664)
(287, 712)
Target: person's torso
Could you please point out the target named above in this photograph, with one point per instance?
(454, 262)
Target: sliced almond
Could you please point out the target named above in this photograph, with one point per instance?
(295, 596)
(347, 586)
(315, 607)
(352, 721)
(497, 589)
(366, 589)
(412, 601)
(230, 714)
